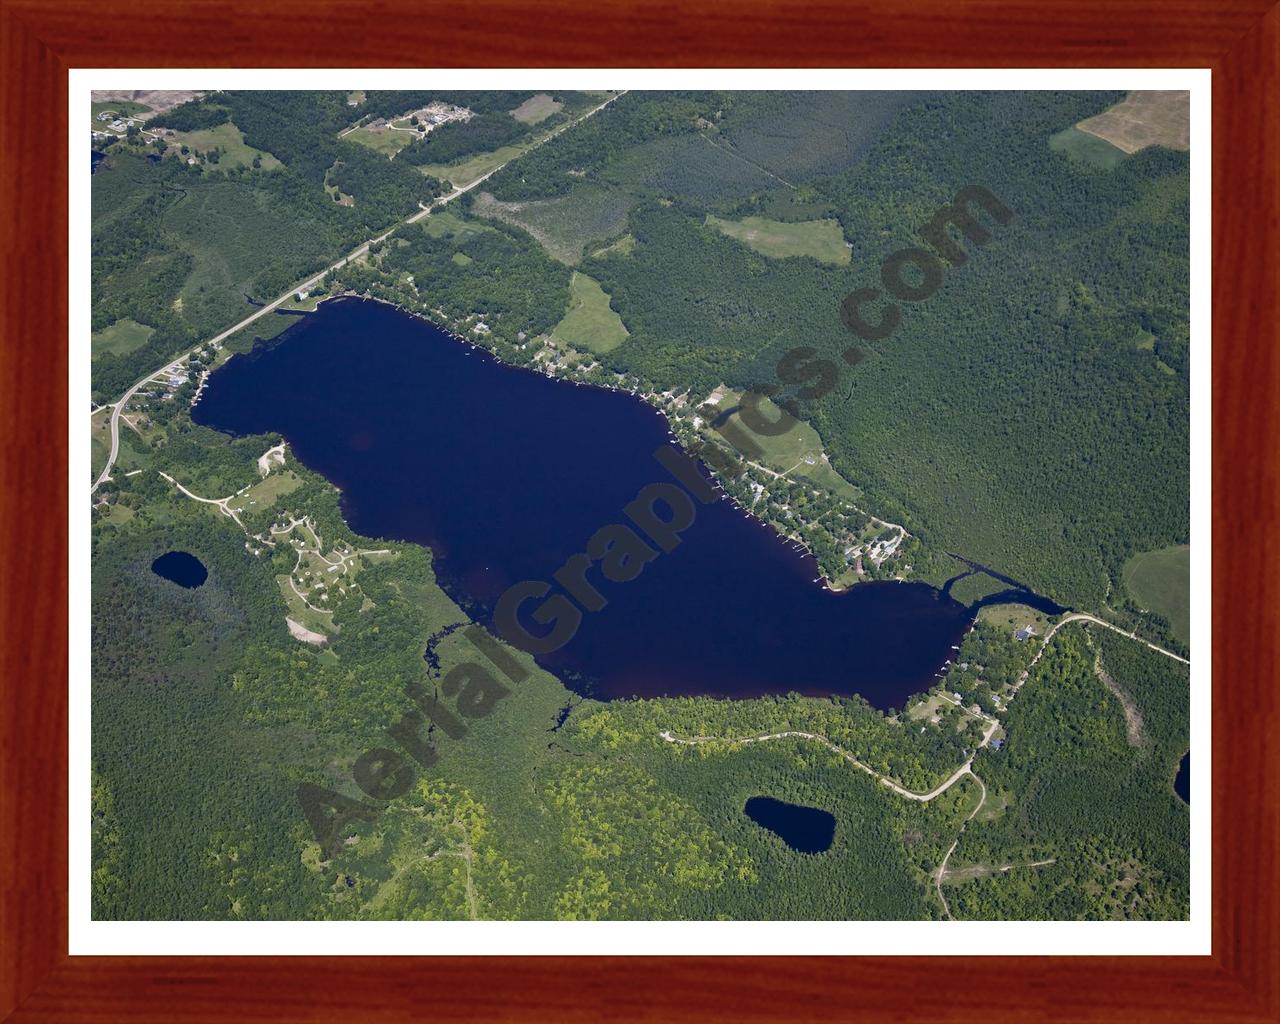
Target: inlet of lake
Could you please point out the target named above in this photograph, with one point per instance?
(504, 473)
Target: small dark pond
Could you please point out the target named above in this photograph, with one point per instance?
(182, 568)
(804, 829)
(1182, 781)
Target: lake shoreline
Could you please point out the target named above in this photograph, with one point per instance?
(880, 642)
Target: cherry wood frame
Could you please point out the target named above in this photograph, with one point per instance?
(41, 39)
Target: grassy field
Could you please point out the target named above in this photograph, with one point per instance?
(265, 493)
(688, 165)
(384, 139)
(821, 239)
(1015, 616)
(566, 225)
(784, 452)
(1088, 148)
(121, 337)
(796, 454)
(590, 322)
(229, 141)
(1161, 581)
(536, 108)
(466, 171)
(446, 222)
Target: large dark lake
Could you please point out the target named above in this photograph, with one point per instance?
(504, 473)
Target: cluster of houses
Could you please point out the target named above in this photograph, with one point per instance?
(440, 113)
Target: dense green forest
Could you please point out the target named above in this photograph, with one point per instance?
(1031, 414)
(1014, 416)
(1069, 784)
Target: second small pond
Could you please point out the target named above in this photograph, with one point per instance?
(804, 829)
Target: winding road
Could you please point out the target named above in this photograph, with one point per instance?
(965, 769)
(884, 780)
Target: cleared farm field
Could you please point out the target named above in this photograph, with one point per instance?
(821, 239)
(444, 223)
(120, 338)
(1161, 581)
(590, 322)
(1144, 118)
(564, 226)
(536, 108)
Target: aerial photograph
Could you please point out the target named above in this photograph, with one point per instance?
(640, 505)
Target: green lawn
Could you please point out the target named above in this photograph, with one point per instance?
(1089, 148)
(590, 322)
(120, 338)
(821, 239)
(1161, 581)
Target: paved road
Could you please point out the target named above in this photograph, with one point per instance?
(117, 408)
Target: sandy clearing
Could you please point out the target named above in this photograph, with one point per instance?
(1145, 117)
(307, 636)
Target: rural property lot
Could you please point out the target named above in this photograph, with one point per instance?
(821, 239)
(590, 322)
(536, 108)
(566, 224)
(1145, 118)
(1161, 580)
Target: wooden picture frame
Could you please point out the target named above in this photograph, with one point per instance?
(41, 39)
